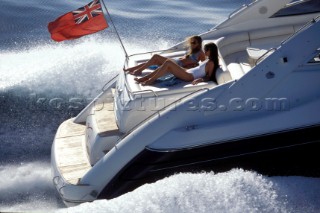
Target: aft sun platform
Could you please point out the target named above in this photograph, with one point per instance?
(71, 150)
(72, 162)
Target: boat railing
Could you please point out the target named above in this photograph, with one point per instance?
(155, 51)
(235, 12)
(147, 90)
(265, 54)
(244, 6)
(140, 91)
(302, 28)
(109, 83)
(158, 112)
(58, 184)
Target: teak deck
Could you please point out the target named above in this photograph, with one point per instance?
(70, 146)
(72, 159)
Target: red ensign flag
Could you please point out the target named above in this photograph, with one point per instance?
(83, 21)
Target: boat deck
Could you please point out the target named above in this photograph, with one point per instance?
(71, 157)
(106, 121)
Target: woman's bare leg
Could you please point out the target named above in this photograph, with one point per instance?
(131, 69)
(155, 60)
(151, 75)
(169, 67)
(144, 78)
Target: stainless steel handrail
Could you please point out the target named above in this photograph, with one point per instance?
(147, 90)
(155, 51)
(302, 28)
(112, 79)
(55, 183)
(238, 10)
(140, 91)
(261, 57)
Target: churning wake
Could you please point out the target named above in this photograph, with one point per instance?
(26, 187)
(233, 191)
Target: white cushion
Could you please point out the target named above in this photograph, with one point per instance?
(270, 32)
(223, 76)
(267, 43)
(233, 38)
(235, 70)
(234, 47)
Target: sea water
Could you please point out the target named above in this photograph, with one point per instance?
(39, 78)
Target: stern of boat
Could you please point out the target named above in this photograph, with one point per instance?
(69, 162)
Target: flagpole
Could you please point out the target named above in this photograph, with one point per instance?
(124, 49)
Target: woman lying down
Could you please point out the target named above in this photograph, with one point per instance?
(205, 71)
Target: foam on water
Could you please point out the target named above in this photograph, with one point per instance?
(68, 67)
(26, 187)
(81, 67)
(233, 191)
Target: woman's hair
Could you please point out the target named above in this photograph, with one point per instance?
(213, 57)
(199, 41)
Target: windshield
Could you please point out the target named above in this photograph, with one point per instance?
(299, 8)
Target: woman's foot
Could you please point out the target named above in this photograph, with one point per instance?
(129, 70)
(139, 80)
(150, 81)
(142, 79)
(135, 72)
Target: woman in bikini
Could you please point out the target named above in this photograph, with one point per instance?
(205, 71)
(191, 59)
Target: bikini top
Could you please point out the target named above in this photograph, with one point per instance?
(194, 56)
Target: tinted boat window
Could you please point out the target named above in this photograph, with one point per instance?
(316, 58)
(299, 8)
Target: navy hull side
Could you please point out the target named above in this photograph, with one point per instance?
(292, 152)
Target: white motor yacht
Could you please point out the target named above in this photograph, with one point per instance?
(261, 114)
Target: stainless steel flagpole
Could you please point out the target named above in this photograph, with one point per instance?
(124, 49)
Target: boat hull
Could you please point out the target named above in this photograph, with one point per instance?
(291, 152)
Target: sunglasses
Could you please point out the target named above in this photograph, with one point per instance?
(193, 42)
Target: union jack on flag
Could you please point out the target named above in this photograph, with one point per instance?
(87, 12)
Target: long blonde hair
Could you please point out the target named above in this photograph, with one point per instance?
(188, 43)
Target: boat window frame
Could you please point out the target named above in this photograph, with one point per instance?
(315, 60)
(293, 4)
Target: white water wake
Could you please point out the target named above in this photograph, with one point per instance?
(233, 191)
(79, 67)
(26, 187)
(70, 68)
